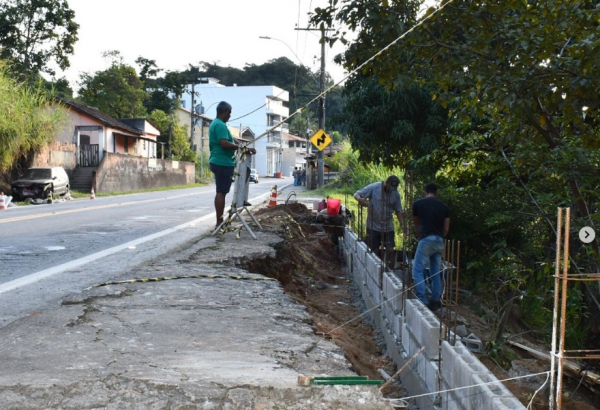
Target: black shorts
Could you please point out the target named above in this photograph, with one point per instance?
(223, 177)
(375, 238)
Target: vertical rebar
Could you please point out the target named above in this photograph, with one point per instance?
(555, 312)
(563, 310)
(449, 290)
(457, 287)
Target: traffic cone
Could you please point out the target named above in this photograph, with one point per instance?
(92, 194)
(273, 199)
(2, 202)
(49, 198)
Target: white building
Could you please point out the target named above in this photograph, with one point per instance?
(294, 152)
(256, 107)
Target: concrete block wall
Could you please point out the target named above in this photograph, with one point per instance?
(407, 328)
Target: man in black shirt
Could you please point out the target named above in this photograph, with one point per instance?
(432, 222)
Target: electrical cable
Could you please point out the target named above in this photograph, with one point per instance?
(373, 57)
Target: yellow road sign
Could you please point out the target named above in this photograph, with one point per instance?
(320, 140)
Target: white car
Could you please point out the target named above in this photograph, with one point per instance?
(253, 176)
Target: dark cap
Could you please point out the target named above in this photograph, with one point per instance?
(393, 182)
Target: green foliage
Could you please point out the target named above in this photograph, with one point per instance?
(520, 84)
(116, 91)
(355, 174)
(27, 122)
(204, 165)
(164, 92)
(36, 33)
(391, 126)
(180, 143)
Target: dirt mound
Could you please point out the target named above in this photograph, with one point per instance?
(308, 266)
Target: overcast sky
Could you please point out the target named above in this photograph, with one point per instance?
(176, 33)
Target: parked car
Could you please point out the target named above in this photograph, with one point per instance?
(39, 182)
(253, 176)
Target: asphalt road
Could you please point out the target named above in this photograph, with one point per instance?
(50, 251)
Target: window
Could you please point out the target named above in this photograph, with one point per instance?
(291, 144)
(84, 139)
(144, 144)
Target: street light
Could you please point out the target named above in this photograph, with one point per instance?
(298, 58)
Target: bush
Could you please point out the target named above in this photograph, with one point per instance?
(27, 122)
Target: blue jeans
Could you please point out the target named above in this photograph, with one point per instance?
(429, 248)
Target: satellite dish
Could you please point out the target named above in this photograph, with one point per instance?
(199, 109)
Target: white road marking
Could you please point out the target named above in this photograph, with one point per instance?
(35, 277)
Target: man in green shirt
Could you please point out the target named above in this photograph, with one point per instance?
(222, 156)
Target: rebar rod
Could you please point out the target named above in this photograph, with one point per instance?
(563, 314)
(555, 312)
(456, 294)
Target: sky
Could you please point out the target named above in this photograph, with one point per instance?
(176, 33)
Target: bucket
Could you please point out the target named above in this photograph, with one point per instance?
(333, 206)
(278, 174)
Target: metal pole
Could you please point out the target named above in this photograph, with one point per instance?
(192, 122)
(171, 141)
(563, 310)
(321, 155)
(201, 147)
(555, 313)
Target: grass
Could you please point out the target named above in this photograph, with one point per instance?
(83, 194)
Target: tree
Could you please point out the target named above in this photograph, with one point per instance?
(26, 124)
(116, 91)
(520, 84)
(180, 144)
(36, 33)
(164, 92)
(391, 126)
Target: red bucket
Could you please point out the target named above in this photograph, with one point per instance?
(333, 206)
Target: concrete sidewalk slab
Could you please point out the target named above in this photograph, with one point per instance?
(177, 344)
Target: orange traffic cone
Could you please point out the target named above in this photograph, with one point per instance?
(273, 199)
(2, 202)
(92, 194)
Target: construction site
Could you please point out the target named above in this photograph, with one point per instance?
(302, 317)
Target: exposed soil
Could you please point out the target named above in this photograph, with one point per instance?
(308, 266)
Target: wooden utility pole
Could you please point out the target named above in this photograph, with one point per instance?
(320, 154)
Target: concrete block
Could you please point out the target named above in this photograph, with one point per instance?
(413, 315)
(398, 320)
(486, 388)
(361, 251)
(473, 343)
(431, 375)
(507, 403)
(405, 337)
(465, 367)
(429, 336)
(373, 266)
(391, 291)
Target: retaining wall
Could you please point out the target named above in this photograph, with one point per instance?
(407, 325)
(121, 173)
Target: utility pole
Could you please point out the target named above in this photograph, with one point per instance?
(171, 141)
(321, 154)
(192, 121)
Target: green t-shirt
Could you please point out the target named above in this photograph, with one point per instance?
(218, 155)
